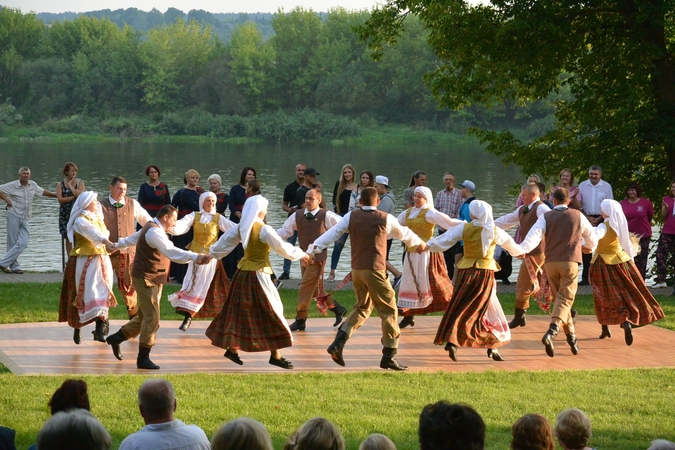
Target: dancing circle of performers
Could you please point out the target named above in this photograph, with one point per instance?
(247, 310)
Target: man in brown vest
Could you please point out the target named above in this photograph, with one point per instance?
(120, 215)
(154, 251)
(564, 229)
(310, 223)
(525, 216)
(368, 230)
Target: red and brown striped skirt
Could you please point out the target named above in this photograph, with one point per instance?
(440, 285)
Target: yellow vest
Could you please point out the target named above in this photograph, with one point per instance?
(419, 226)
(83, 246)
(473, 250)
(609, 248)
(256, 254)
(205, 234)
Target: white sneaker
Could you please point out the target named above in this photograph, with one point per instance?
(659, 285)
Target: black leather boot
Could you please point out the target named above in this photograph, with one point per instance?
(548, 339)
(572, 341)
(77, 336)
(187, 321)
(606, 333)
(298, 325)
(494, 354)
(452, 351)
(114, 340)
(98, 332)
(519, 319)
(335, 349)
(143, 359)
(106, 327)
(339, 311)
(628, 332)
(407, 321)
(389, 361)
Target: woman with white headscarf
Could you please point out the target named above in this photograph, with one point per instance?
(252, 318)
(425, 286)
(474, 317)
(619, 291)
(205, 286)
(86, 292)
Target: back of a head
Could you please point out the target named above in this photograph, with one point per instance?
(573, 428)
(71, 394)
(377, 442)
(157, 399)
(661, 444)
(76, 429)
(319, 434)
(532, 432)
(243, 433)
(445, 426)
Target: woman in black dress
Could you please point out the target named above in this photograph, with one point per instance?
(153, 194)
(188, 202)
(237, 198)
(66, 193)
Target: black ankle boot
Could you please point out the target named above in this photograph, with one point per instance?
(98, 332)
(298, 325)
(628, 332)
(572, 341)
(389, 361)
(339, 311)
(494, 354)
(606, 333)
(519, 319)
(452, 351)
(407, 321)
(335, 349)
(114, 340)
(548, 339)
(77, 336)
(187, 321)
(143, 359)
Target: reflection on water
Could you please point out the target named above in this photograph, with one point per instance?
(275, 164)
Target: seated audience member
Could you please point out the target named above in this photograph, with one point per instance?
(451, 426)
(75, 429)
(243, 433)
(157, 404)
(319, 434)
(7, 439)
(661, 444)
(290, 442)
(532, 432)
(377, 442)
(573, 429)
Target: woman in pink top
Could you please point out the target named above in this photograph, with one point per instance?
(666, 244)
(639, 212)
(566, 179)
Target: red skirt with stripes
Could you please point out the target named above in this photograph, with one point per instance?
(441, 287)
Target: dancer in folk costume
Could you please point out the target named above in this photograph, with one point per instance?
(425, 286)
(310, 223)
(252, 318)
(205, 286)
(474, 317)
(86, 292)
(619, 291)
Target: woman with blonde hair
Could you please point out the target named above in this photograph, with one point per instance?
(243, 433)
(342, 195)
(566, 178)
(319, 434)
(187, 203)
(573, 429)
(377, 441)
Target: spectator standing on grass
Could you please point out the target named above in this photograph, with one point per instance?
(289, 204)
(639, 212)
(448, 201)
(67, 191)
(387, 204)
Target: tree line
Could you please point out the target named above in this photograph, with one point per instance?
(89, 71)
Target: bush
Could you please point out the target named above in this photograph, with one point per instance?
(77, 123)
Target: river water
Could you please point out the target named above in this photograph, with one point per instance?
(274, 163)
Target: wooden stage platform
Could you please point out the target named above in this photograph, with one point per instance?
(47, 348)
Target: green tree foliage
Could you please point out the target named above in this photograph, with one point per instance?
(20, 38)
(616, 58)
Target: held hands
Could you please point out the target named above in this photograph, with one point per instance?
(586, 250)
(109, 246)
(203, 259)
(423, 247)
(307, 259)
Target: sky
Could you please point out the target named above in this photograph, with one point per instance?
(214, 6)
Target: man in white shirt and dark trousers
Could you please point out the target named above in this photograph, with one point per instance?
(19, 196)
(157, 405)
(154, 251)
(592, 192)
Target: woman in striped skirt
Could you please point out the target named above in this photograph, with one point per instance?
(425, 286)
(474, 317)
(252, 318)
(619, 291)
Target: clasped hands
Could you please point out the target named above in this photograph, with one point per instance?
(307, 259)
(423, 247)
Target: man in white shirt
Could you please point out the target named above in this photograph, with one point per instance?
(592, 192)
(157, 405)
(154, 251)
(309, 224)
(19, 196)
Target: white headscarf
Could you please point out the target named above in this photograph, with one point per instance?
(79, 208)
(250, 215)
(426, 193)
(616, 219)
(482, 211)
(207, 216)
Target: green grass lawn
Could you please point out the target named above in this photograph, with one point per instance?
(628, 408)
